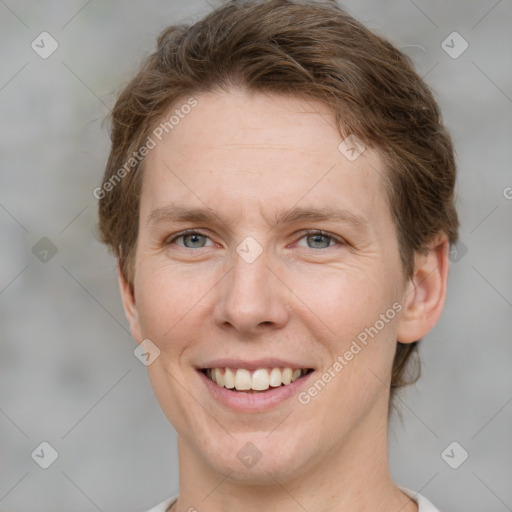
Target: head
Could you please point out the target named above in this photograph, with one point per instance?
(258, 109)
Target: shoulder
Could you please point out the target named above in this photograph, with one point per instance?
(424, 505)
(164, 505)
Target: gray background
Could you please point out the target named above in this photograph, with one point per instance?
(68, 375)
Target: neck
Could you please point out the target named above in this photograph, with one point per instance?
(354, 476)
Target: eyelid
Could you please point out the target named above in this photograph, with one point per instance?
(327, 234)
(168, 240)
(306, 232)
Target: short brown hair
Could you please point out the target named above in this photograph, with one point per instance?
(312, 50)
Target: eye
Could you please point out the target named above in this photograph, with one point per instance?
(195, 239)
(316, 237)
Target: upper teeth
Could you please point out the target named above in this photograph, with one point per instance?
(260, 380)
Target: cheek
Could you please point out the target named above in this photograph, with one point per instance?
(355, 321)
(344, 300)
(351, 315)
(168, 301)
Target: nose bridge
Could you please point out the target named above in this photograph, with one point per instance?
(251, 294)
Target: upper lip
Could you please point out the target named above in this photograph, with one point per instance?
(252, 365)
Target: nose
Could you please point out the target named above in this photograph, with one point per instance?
(252, 297)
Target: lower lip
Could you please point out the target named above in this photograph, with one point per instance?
(253, 402)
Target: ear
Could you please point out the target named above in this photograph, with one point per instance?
(425, 293)
(130, 307)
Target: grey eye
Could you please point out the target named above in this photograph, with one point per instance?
(195, 240)
(317, 240)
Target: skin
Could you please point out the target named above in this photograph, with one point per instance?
(248, 156)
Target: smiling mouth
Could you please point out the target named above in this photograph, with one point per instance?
(254, 381)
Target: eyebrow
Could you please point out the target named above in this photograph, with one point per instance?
(177, 213)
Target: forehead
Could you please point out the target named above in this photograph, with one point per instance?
(254, 152)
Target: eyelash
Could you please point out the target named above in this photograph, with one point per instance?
(309, 232)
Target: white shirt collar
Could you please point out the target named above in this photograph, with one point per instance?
(424, 505)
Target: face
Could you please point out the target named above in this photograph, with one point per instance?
(255, 287)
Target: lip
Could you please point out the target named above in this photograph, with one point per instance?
(252, 365)
(253, 402)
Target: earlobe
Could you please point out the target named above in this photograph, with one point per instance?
(129, 304)
(425, 294)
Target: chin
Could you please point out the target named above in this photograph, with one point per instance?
(258, 457)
